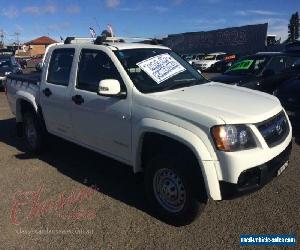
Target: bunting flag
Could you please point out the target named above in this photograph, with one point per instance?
(110, 30)
(93, 33)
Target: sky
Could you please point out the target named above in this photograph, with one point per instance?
(55, 18)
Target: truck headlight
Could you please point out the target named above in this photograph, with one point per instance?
(231, 138)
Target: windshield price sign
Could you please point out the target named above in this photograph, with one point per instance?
(161, 67)
(242, 65)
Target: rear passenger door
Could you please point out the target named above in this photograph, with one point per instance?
(54, 92)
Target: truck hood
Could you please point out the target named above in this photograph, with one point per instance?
(215, 101)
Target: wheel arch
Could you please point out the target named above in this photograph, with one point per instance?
(23, 104)
(148, 128)
(25, 100)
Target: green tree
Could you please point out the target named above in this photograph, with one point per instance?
(294, 28)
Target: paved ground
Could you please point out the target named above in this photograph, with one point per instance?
(52, 193)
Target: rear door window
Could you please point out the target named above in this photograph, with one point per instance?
(277, 64)
(60, 66)
(293, 62)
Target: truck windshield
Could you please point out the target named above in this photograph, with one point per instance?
(153, 70)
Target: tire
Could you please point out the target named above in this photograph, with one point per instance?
(169, 189)
(33, 132)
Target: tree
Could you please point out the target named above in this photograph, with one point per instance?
(294, 28)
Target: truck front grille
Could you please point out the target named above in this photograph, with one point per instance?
(275, 129)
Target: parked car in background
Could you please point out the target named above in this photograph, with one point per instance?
(209, 60)
(262, 71)
(22, 62)
(192, 58)
(289, 91)
(224, 64)
(289, 94)
(8, 65)
(196, 58)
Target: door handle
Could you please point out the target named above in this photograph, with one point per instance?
(77, 99)
(47, 92)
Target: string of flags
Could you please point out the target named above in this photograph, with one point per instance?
(108, 32)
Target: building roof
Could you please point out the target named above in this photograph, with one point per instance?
(43, 40)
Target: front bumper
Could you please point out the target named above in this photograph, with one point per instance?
(255, 178)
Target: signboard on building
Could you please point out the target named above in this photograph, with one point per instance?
(244, 40)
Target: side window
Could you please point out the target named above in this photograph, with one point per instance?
(277, 64)
(94, 66)
(60, 66)
(293, 62)
(220, 57)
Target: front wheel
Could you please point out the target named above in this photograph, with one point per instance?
(169, 190)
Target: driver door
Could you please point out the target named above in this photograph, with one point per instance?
(102, 123)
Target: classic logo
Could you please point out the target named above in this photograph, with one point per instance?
(279, 126)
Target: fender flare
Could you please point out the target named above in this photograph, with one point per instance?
(189, 139)
(24, 96)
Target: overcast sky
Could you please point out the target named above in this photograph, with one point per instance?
(139, 18)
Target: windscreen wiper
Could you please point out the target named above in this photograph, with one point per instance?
(181, 84)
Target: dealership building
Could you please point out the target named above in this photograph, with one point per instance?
(247, 39)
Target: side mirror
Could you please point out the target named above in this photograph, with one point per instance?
(268, 73)
(110, 87)
(296, 66)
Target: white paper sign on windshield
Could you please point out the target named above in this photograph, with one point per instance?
(161, 67)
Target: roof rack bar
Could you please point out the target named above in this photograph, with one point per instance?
(73, 39)
(103, 39)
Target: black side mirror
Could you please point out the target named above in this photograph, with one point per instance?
(296, 67)
(268, 73)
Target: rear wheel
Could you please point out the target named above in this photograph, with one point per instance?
(33, 132)
(169, 189)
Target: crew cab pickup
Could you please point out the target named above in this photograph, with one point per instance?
(145, 106)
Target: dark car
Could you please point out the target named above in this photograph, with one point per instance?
(262, 71)
(8, 65)
(224, 64)
(289, 94)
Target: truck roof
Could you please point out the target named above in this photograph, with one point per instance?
(124, 46)
(114, 43)
(113, 46)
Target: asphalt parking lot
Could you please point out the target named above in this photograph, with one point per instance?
(100, 205)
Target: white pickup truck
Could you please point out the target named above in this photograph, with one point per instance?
(145, 106)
